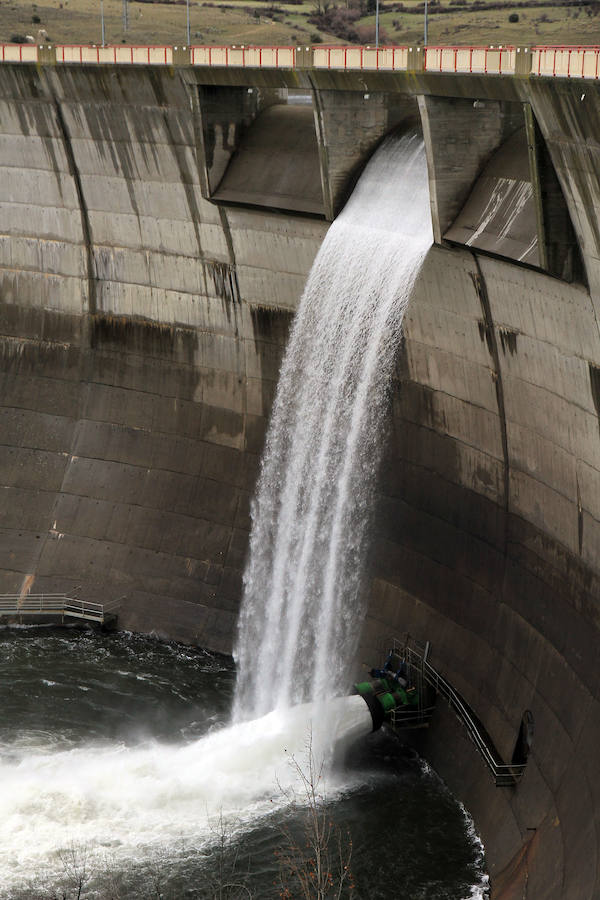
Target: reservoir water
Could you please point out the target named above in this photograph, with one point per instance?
(116, 750)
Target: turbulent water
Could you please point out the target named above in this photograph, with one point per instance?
(115, 749)
(301, 612)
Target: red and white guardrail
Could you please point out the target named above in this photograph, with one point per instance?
(543, 61)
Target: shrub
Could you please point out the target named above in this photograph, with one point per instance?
(366, 34)
(316, 38)
(339, 22)
(35, 20)
(514, 17)
(18, 39)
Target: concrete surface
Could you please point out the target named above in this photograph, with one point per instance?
(139, 351)
(277, 163)
(141, 330)
(485, 545)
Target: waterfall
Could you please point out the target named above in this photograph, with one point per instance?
(301, 612)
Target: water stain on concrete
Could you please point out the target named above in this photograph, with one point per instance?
(484, 334)
(144, 338)
(508, 340)
(595, 386)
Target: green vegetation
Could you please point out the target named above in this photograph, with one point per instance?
(271, 22)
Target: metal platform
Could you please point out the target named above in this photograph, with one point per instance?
(15, 606)
(430, 685)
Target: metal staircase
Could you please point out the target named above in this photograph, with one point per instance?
(427, 680)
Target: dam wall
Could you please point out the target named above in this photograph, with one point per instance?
(139, 349)
(142, 323)
(487, 549)
(487, 538)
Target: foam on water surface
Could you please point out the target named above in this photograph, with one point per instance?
(134, 798)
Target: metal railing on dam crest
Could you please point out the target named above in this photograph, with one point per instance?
(542, 61)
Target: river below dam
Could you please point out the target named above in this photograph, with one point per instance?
(118, 768)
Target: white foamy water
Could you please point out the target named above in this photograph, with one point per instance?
(301, 613)
(132, 800)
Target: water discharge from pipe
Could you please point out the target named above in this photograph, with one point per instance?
(136, 799)
(302, 611)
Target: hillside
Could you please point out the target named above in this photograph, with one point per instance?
(306, 21)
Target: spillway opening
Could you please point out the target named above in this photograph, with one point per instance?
(516, 209)
(260, 148)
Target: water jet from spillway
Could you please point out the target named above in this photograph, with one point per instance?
(302, 608)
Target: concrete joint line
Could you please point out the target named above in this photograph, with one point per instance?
(492, 342)
(83, 210)
(328, 200)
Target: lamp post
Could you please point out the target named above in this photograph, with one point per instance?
(102, 20)
(377, 24)
(425, 28)
(188, 21)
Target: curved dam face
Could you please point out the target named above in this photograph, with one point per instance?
(141, 330)
(140, 350)
(486, 547)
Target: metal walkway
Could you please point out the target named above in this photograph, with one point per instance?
(17, 606)
(423, 674)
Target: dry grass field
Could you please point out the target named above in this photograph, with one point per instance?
(273, 22)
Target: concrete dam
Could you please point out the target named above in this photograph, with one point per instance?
(160, 220)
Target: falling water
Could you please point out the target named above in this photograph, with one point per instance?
(301, 612)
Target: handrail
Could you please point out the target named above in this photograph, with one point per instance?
(50, 604)
(505, 775)
(557, 61)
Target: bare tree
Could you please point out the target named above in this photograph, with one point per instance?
(320, 7)
(76, 860)
(227, 883)
(317, 867)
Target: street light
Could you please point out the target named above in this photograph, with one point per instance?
(425, 28)
(377, 24)
(188, 21)
(102, 20)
